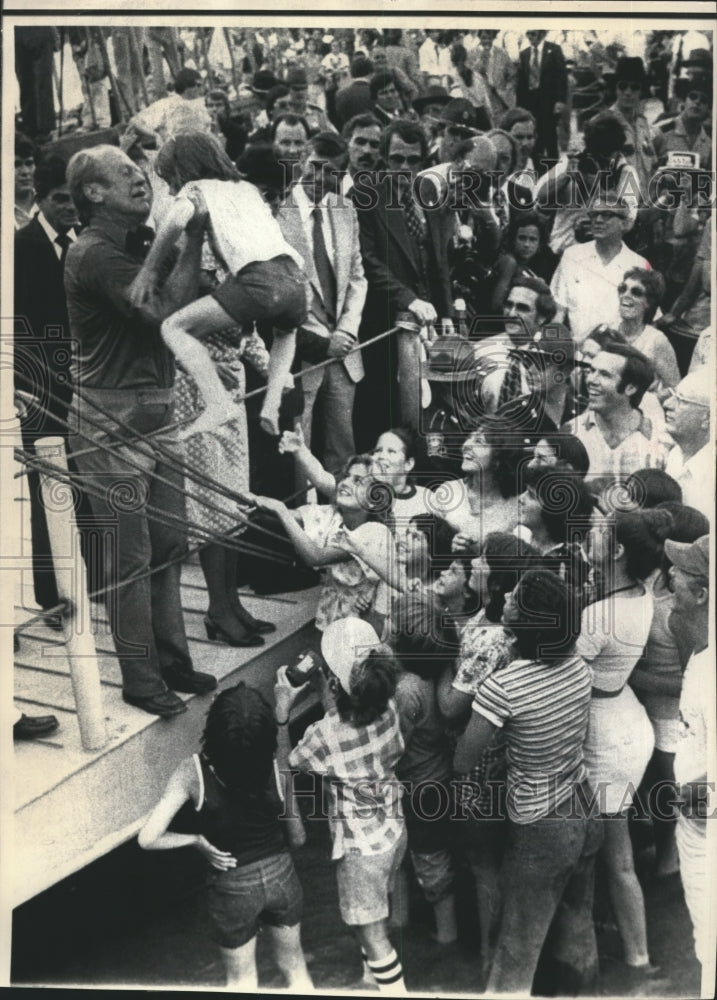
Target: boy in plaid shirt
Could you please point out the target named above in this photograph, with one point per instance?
(355, 747)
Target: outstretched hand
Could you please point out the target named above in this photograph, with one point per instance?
(267, 503)
(292, 441)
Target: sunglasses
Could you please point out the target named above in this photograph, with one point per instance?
(627, 85)
(698, 96)
(400, 160)
(637, 291)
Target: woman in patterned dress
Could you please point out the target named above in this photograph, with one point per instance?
(222, 453)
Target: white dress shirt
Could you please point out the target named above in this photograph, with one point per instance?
(306, 209)
(52, 234)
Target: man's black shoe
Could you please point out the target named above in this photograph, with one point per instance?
(166, 703)
(29, 727)
(190, 682)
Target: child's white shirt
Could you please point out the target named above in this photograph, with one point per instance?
(242, 228)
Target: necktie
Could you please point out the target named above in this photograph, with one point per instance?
(414, 223)
(501, 209)
(324, 270)
(64, 242)
(512, 385)
(534, 69)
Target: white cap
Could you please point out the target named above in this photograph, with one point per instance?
(345, 642)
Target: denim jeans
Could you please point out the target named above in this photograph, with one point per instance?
(145, 615)
(548, 877)
(265, 891)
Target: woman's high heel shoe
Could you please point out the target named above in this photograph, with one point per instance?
(216, 633)
(252, 624)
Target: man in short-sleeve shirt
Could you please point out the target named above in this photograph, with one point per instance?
(123, 377)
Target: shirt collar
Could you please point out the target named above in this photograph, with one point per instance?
(305, 206)
(644, 427)
(117, 232)
(697, 462)
(51, 233)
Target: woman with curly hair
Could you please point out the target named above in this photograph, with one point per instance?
(350, 542)
(485, 499)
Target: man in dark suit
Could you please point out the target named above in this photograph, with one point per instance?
(42, 346)
(386, 102)
(542, 89)
(404, 245)
(322, 226)
(356, 98)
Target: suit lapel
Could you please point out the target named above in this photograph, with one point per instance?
(339, 233)
(395, 224)
(297, 237)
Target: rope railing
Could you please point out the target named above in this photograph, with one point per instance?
(134, 435)
(135, 438)
(155, 514)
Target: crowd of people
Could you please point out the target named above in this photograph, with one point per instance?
(468, 278)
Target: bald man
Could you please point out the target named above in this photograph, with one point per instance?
(124, 374)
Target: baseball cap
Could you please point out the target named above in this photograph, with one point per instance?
(693, 559)
(343, 643)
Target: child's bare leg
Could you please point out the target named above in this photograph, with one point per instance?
(280, 358)
(180, 332)
(290, 957)
(381, 960)
(240, 966)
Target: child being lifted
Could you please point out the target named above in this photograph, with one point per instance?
(265, 280)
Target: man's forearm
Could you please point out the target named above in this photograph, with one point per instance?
(182, 285)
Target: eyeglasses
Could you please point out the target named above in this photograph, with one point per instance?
(672, 396)
(400, 160)
(629, 85)
(697, 95)
(637, 291)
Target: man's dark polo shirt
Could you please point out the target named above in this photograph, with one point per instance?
(117, 348)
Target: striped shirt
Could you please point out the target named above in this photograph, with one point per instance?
(359, 763)
(543, 710)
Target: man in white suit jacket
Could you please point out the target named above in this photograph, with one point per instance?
(322, 226)
(497, 71)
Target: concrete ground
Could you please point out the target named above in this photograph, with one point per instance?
(135, 918)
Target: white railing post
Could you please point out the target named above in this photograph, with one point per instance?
(71, 577)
